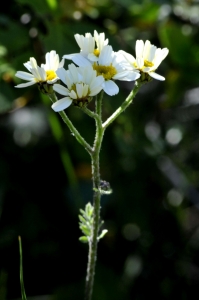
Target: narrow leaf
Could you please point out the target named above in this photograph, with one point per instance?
(23, 294)
(83, 239)
(102, 234)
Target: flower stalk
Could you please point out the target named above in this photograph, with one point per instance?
(72, 128)
(124, 105)
(95, 160)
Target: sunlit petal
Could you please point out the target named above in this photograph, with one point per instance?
(61, 104)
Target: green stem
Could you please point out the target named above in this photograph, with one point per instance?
(72, 128)
(95, 154)
(92, 255)
(90, 113)
(124, 105)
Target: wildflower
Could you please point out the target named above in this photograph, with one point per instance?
(44, 75)
(148, 58)
(112, 66)
(90, 46)
(82, 84)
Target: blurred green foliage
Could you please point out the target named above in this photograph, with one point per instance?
(150, 156)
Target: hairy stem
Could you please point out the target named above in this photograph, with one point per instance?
(72, 128)
(124, 105)
(92, 255)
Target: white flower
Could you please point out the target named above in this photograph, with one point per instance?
(82, 84)
(112, 66)
(44, 74)
(148, 58)
(90, 46)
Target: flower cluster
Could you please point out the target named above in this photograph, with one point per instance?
(96, 67)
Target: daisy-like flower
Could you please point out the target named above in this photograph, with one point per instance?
(148, 58)
(82, 84)
(90, 46)
(44, 75)
(112, 66)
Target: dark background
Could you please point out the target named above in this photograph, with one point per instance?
(150, 156)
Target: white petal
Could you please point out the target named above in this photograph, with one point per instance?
(97, 81)
(22, 85)
(69, 79)
(60, 89)
(140, 62)
(28, 66)
(61, 72)
(52, 81)
(74, 72)
(61, 64)
(106, 56)
(70, 56)
(85, 90)
(33, 62)
(81, 61)
(92, 57)
(127, 76)
(139, 48)
(130, 58)
(87, 74)
(152, 53)
(100, 40)
(147, 69)
(78, 59)
(61, 104)
(24, 75)
(110, 88)
(79, 89)
(156, 76)
(165, 52)
(72, 94)
(147, 47)
(95, 90)
(159, 56)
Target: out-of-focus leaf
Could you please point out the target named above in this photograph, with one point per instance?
(39, 6)
(52, 3)
(83, 239)
(147, 12)
(179, 45)
(5, 105)
(10, 37)
(23, 293)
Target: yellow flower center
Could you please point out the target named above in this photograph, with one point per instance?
(148, 64)
(106, 71)
(50, 75)
(96, 52)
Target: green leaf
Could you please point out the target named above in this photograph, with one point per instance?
(102, 234)
(83, 239)
(52, 3)
(23, 294)
(181, 48)
(82, 219)
(89, 209)
(5, 105)
(38, 5)
(85, 230)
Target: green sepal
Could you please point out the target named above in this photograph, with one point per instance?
(83, 239)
